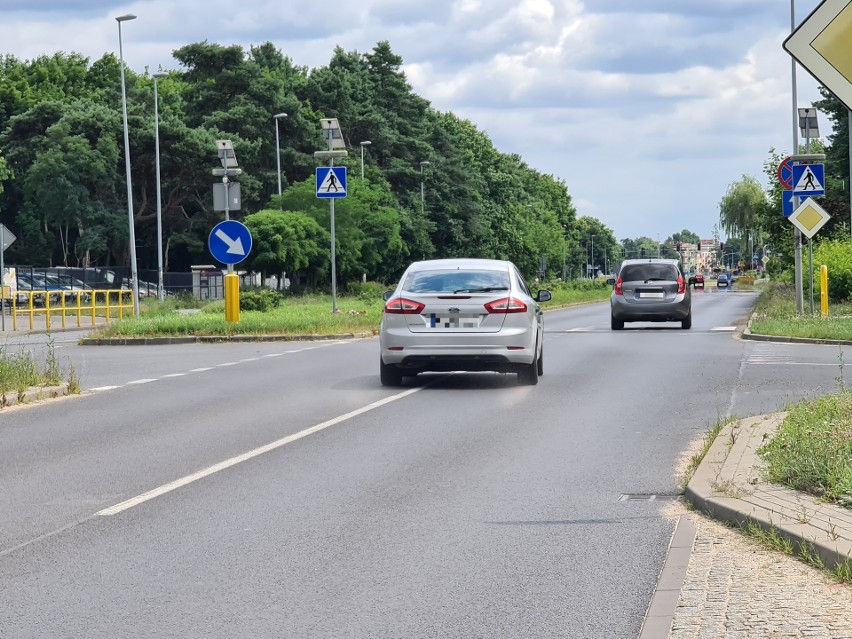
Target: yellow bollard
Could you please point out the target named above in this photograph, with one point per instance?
(823, 290)
(232, 297)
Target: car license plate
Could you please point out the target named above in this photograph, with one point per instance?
(650, 294)
(454, 320)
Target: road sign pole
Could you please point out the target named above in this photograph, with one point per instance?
(797, 234)
(333, 252)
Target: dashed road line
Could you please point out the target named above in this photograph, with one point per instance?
(204, 369)
(233, 461)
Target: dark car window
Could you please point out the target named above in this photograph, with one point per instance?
(450, 281)
(649, 272)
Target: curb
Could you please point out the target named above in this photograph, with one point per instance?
(214, 339)
(32, 395)
(728, 486)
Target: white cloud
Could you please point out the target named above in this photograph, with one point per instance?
(647, 110)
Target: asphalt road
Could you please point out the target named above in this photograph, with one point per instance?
(277, 490)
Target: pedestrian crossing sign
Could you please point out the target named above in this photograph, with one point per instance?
(331, 181)
(808, 179)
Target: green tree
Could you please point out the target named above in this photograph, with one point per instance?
(287, 243)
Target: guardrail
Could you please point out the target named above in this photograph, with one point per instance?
(105, 303)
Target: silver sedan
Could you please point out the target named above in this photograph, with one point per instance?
(462, 314)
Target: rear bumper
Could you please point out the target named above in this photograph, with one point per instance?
(674, 311)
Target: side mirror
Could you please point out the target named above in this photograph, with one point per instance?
(610, 281)
(387, 295)
(543, 296)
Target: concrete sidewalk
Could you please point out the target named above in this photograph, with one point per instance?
(728, 485)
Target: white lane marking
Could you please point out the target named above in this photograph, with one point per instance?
(233, 461)
(200, 370)
(576, 330)
(141, 381)
(174, 375)
(274, 355)
(103, 388)
(724, 328)
(226, 364)
(249, 359)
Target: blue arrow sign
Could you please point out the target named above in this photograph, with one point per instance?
(230, 242)
(331, 181)
(787, 203)
(808, 180)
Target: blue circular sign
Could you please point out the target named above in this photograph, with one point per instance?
(230, 242)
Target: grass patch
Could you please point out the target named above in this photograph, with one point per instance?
(775, 314)
(302, 315)
(812, 450)
(20, 371)
(802, 550)
(295, 316)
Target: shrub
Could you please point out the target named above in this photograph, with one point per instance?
(837, 256)
(366, 291)
(260, 300)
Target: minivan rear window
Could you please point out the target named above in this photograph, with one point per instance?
(649, 272)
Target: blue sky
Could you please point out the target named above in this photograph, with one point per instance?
(647, 109)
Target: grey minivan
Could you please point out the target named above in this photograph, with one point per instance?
(650, 290)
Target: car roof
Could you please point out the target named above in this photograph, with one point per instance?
(460, 263)
(652, 260)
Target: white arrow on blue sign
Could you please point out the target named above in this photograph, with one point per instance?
(331, 181)
(230, 242)
(808, 179)
(787, 203)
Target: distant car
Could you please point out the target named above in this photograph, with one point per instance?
(461, 315)
(722, 281)
(698, 281)
(650, 290)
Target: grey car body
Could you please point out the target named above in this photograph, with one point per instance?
(650, 290)
(461, 315)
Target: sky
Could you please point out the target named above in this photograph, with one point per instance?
(647, 109)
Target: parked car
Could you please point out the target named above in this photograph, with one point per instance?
(722, 281)
(461, 314)
(650, 290)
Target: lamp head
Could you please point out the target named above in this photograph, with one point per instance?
(126, 17)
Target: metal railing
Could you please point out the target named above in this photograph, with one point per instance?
(107, 304)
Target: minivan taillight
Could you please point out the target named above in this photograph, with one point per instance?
(618, 284)
(403, 306)
(681, 285)
(506, 305)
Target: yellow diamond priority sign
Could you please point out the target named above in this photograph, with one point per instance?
(809, 218)
(821, 44)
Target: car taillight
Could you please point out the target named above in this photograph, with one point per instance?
(506, 305)
(618, 284)
(681, 285)
(403, 306)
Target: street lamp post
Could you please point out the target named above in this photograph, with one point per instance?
(592, 260)
(132, 240)
(363, 144)
(422, 188)
(277, 117)
(161, 293)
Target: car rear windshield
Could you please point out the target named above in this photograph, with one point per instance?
(454, 280)
(649, 272)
